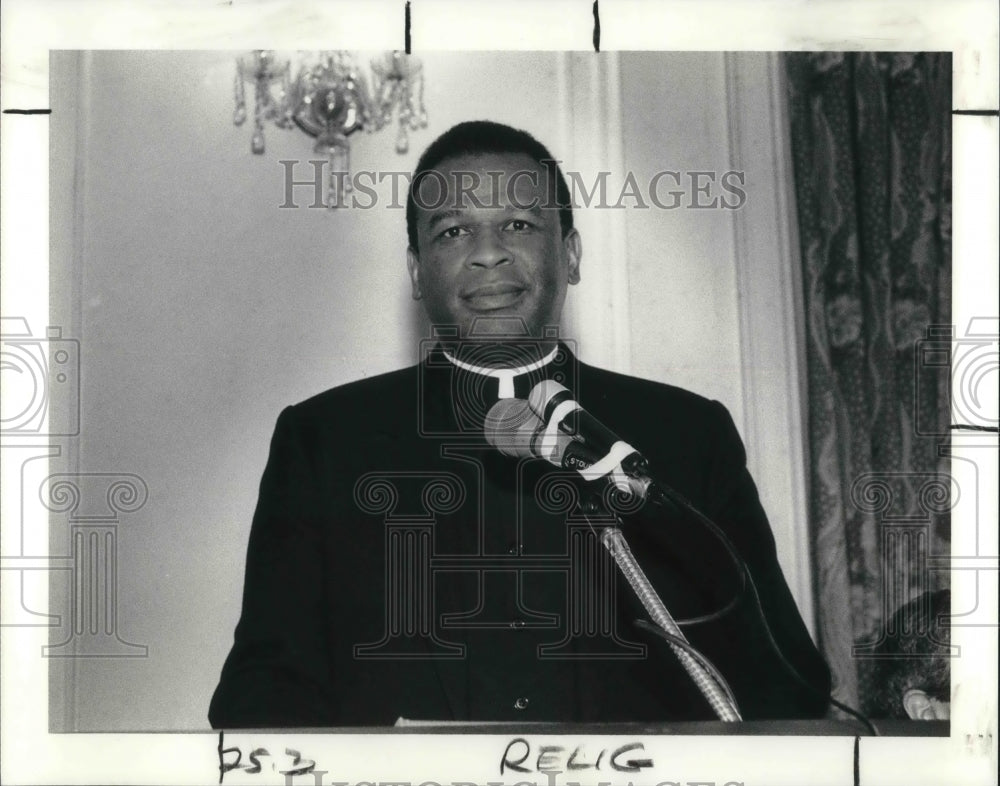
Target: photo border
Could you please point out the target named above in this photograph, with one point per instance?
(967, 29)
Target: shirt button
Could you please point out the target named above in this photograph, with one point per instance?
(521, 703)
(517, 624)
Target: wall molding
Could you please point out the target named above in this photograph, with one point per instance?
(597, 313)
(770, 309)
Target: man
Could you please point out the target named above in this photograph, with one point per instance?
(912, 678)
(401, 567)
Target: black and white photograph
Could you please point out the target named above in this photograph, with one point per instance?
(602, 413)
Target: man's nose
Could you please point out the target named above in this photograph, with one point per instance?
(489, 250)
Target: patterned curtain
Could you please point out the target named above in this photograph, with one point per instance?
(871, 147)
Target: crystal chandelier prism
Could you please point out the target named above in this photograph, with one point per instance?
(330, 99)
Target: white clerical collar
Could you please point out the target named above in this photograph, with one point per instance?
(504, 375)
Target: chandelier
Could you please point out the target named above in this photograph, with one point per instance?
(330, 99)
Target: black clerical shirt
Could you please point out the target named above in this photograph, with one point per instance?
(400, 566)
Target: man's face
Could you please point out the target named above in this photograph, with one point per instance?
(490, 249)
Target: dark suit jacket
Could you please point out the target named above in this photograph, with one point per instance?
(399, 566)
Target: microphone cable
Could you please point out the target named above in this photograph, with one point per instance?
(667, 496)
(695, 653)
(739, 566)
(708, 679)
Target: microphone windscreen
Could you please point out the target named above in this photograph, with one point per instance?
(541, 394)
(510, 426)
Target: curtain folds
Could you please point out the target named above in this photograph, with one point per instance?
(871, 148)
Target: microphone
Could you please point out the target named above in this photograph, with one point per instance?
(555, 406)
(513, 428)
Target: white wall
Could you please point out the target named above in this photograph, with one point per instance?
(685, 326)
(202, 308)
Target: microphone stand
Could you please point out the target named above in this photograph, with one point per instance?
(513, 427)
(715, 692)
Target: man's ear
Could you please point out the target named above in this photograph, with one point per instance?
(413, 265)
(574, 252)
(918, 705)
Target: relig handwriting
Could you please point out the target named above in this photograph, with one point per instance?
(518, 757)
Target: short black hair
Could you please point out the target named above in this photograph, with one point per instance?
(485, 136)
(919, 638)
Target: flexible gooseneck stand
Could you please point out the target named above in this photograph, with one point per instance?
(717, 695)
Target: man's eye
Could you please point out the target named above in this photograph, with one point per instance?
(452, 232)
(519, 225)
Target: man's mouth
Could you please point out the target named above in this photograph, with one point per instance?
(490, 297)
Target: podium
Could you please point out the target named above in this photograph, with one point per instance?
(765, 728)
